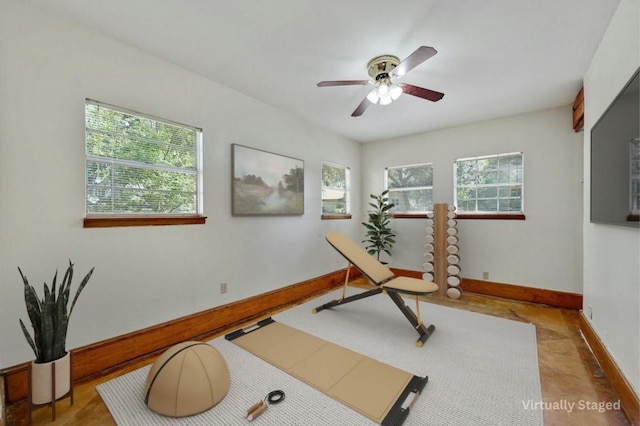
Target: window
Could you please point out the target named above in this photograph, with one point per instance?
(634, 173)
(491, 184)
(335, 191)
(140, 166)
(410, 188)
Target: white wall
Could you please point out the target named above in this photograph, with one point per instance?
(144, 275)
(612, 253)
(543, 251)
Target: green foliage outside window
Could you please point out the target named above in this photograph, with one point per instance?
(489, 184)
(138, 165)
(334, 189)
(411, 188)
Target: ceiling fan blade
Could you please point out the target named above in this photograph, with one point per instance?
(420, 55)
(361, 108)
(421, 92)
(343, 83)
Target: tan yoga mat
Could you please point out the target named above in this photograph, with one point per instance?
(376, 390)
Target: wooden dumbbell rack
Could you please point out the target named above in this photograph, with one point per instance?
(441, 249)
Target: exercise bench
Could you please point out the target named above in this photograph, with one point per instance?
(384, 280)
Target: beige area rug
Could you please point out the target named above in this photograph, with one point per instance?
(376, 390)
(482, 370)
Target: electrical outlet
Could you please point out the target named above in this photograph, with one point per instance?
(590, 312)
(485, 275)
(223, 288)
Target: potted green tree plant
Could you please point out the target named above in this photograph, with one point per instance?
(380, 237)
(49, 318)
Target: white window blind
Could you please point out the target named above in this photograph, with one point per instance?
(140, 165)
(410, 188)
(489, 184)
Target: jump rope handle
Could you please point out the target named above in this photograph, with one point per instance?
(255, 413)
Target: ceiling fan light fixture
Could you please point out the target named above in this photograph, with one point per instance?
(373, 96)
(395, 91)
(383, 89)
(386, 100)
(385, 93)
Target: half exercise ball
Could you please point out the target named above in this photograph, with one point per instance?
(187, 379)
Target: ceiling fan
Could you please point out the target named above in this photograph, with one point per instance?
(382, 70)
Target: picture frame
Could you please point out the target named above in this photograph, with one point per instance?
(265, 183)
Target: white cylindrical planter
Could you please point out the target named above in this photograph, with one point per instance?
(41, 380)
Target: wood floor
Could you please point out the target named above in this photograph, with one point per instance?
(569, 373)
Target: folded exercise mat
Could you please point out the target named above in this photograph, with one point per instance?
(383, 393)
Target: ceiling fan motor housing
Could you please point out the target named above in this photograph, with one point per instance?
(381, 66)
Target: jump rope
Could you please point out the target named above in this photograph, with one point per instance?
(260, 407)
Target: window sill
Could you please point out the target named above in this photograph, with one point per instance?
(116, 221)
(490, 216)
(409, 215)
(335, 216)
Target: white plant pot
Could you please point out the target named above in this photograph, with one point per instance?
(41, 380)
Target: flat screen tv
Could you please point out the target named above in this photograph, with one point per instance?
(615, 160)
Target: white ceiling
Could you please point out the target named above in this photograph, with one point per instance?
(495, 57)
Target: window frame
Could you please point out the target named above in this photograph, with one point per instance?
(634, 180)
(404, 214)
(514, 215)
(347, 189)
(102, 220)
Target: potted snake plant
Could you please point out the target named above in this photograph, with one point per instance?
(49, 318)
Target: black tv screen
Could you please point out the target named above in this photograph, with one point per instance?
(615, 160)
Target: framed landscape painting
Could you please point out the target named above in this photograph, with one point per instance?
(265, 183)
